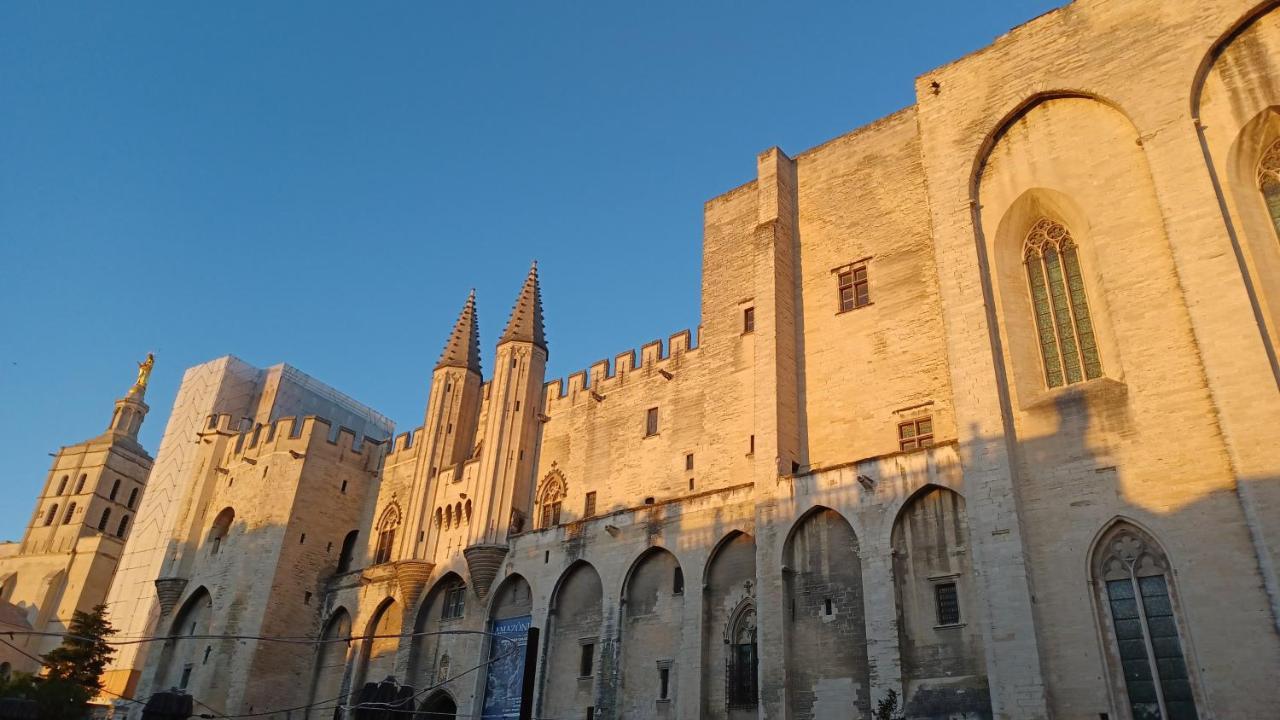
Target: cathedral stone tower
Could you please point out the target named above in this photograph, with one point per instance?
(73, 543)
(509, 437)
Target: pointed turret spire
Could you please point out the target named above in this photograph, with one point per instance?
(463, 348)
(526, 317)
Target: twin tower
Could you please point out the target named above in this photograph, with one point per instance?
(467, 474)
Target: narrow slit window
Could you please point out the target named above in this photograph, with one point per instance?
(748, 320)
(586, 661)
(651, 422)
(664, 683)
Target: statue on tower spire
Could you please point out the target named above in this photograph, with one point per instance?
(144, 371)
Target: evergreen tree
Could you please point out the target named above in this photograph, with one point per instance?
(84, 652)
(72, 669)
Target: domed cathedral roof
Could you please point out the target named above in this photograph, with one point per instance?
(463, 348)
(525, 324)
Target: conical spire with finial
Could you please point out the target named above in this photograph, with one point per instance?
(463, 348)
(525, 324)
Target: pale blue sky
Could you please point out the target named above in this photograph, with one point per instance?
(320, 184)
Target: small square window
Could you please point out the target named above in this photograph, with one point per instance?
(948, 603)
(915, 434)
(853, 290)
(589, 508)
(587, 660)
(651, 422)
(748, 320)
(455, 600)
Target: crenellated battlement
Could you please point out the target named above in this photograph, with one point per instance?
(604, 375)
(298, 435)
(404, 446)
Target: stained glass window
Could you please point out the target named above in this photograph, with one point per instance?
(1155, 672)
(1064, 329)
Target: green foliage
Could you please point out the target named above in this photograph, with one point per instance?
(888, 707)
(73, 668)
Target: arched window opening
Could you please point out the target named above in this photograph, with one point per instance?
(448, 516)
(386, 534)
(49, 516)
(1269, 182)
(468, 511)
(348, 550)
(220, 529)
(62, 484)
(439, 517)
(1065, 330)
(115, 488)
(106, 518)
(457, 513)
(550, 498)
(71, 510)
(1135, 581)
(80, 483)
(741, 673)
(122, 527)
(133, 498)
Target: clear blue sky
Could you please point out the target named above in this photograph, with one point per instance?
(321, 184)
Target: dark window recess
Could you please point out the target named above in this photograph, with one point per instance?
(589, 507)
(748, 320)
(586, 661)
(348, 547)
(751, 446)
(455, 601)
(550, 514)
(302, 540)
(651, 422)
(826, 606)
(186, 677)
(677, 582)
(106, 518)
(649, 500)
(385, 540)
(306, 598)
(122, 527)
(343, 489)
(664, 683)
(688, 461)
(915, 434)
(591, 713)
(853, 289)
(690, 483)
(546, 556)
(115, 488)
(133, 498)
(948, 603)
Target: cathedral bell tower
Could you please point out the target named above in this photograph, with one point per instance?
(509, 437)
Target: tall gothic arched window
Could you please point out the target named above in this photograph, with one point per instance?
(1065, 330)
(740, 675)
(386, 534)
(1133, 578)
(1269, 181)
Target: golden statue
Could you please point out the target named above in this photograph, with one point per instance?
(144, 371)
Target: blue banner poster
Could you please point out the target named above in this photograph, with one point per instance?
(505, 679)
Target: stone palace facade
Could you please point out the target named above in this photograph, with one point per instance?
(982, 411)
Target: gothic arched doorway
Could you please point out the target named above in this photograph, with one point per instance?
(439, 706)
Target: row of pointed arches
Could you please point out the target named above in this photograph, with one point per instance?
(937, 607)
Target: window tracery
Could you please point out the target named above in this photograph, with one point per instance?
(1134, 578)
(742, 660)
(550, 498)
(1063, 326)
(386, 533)
(1269, 181)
